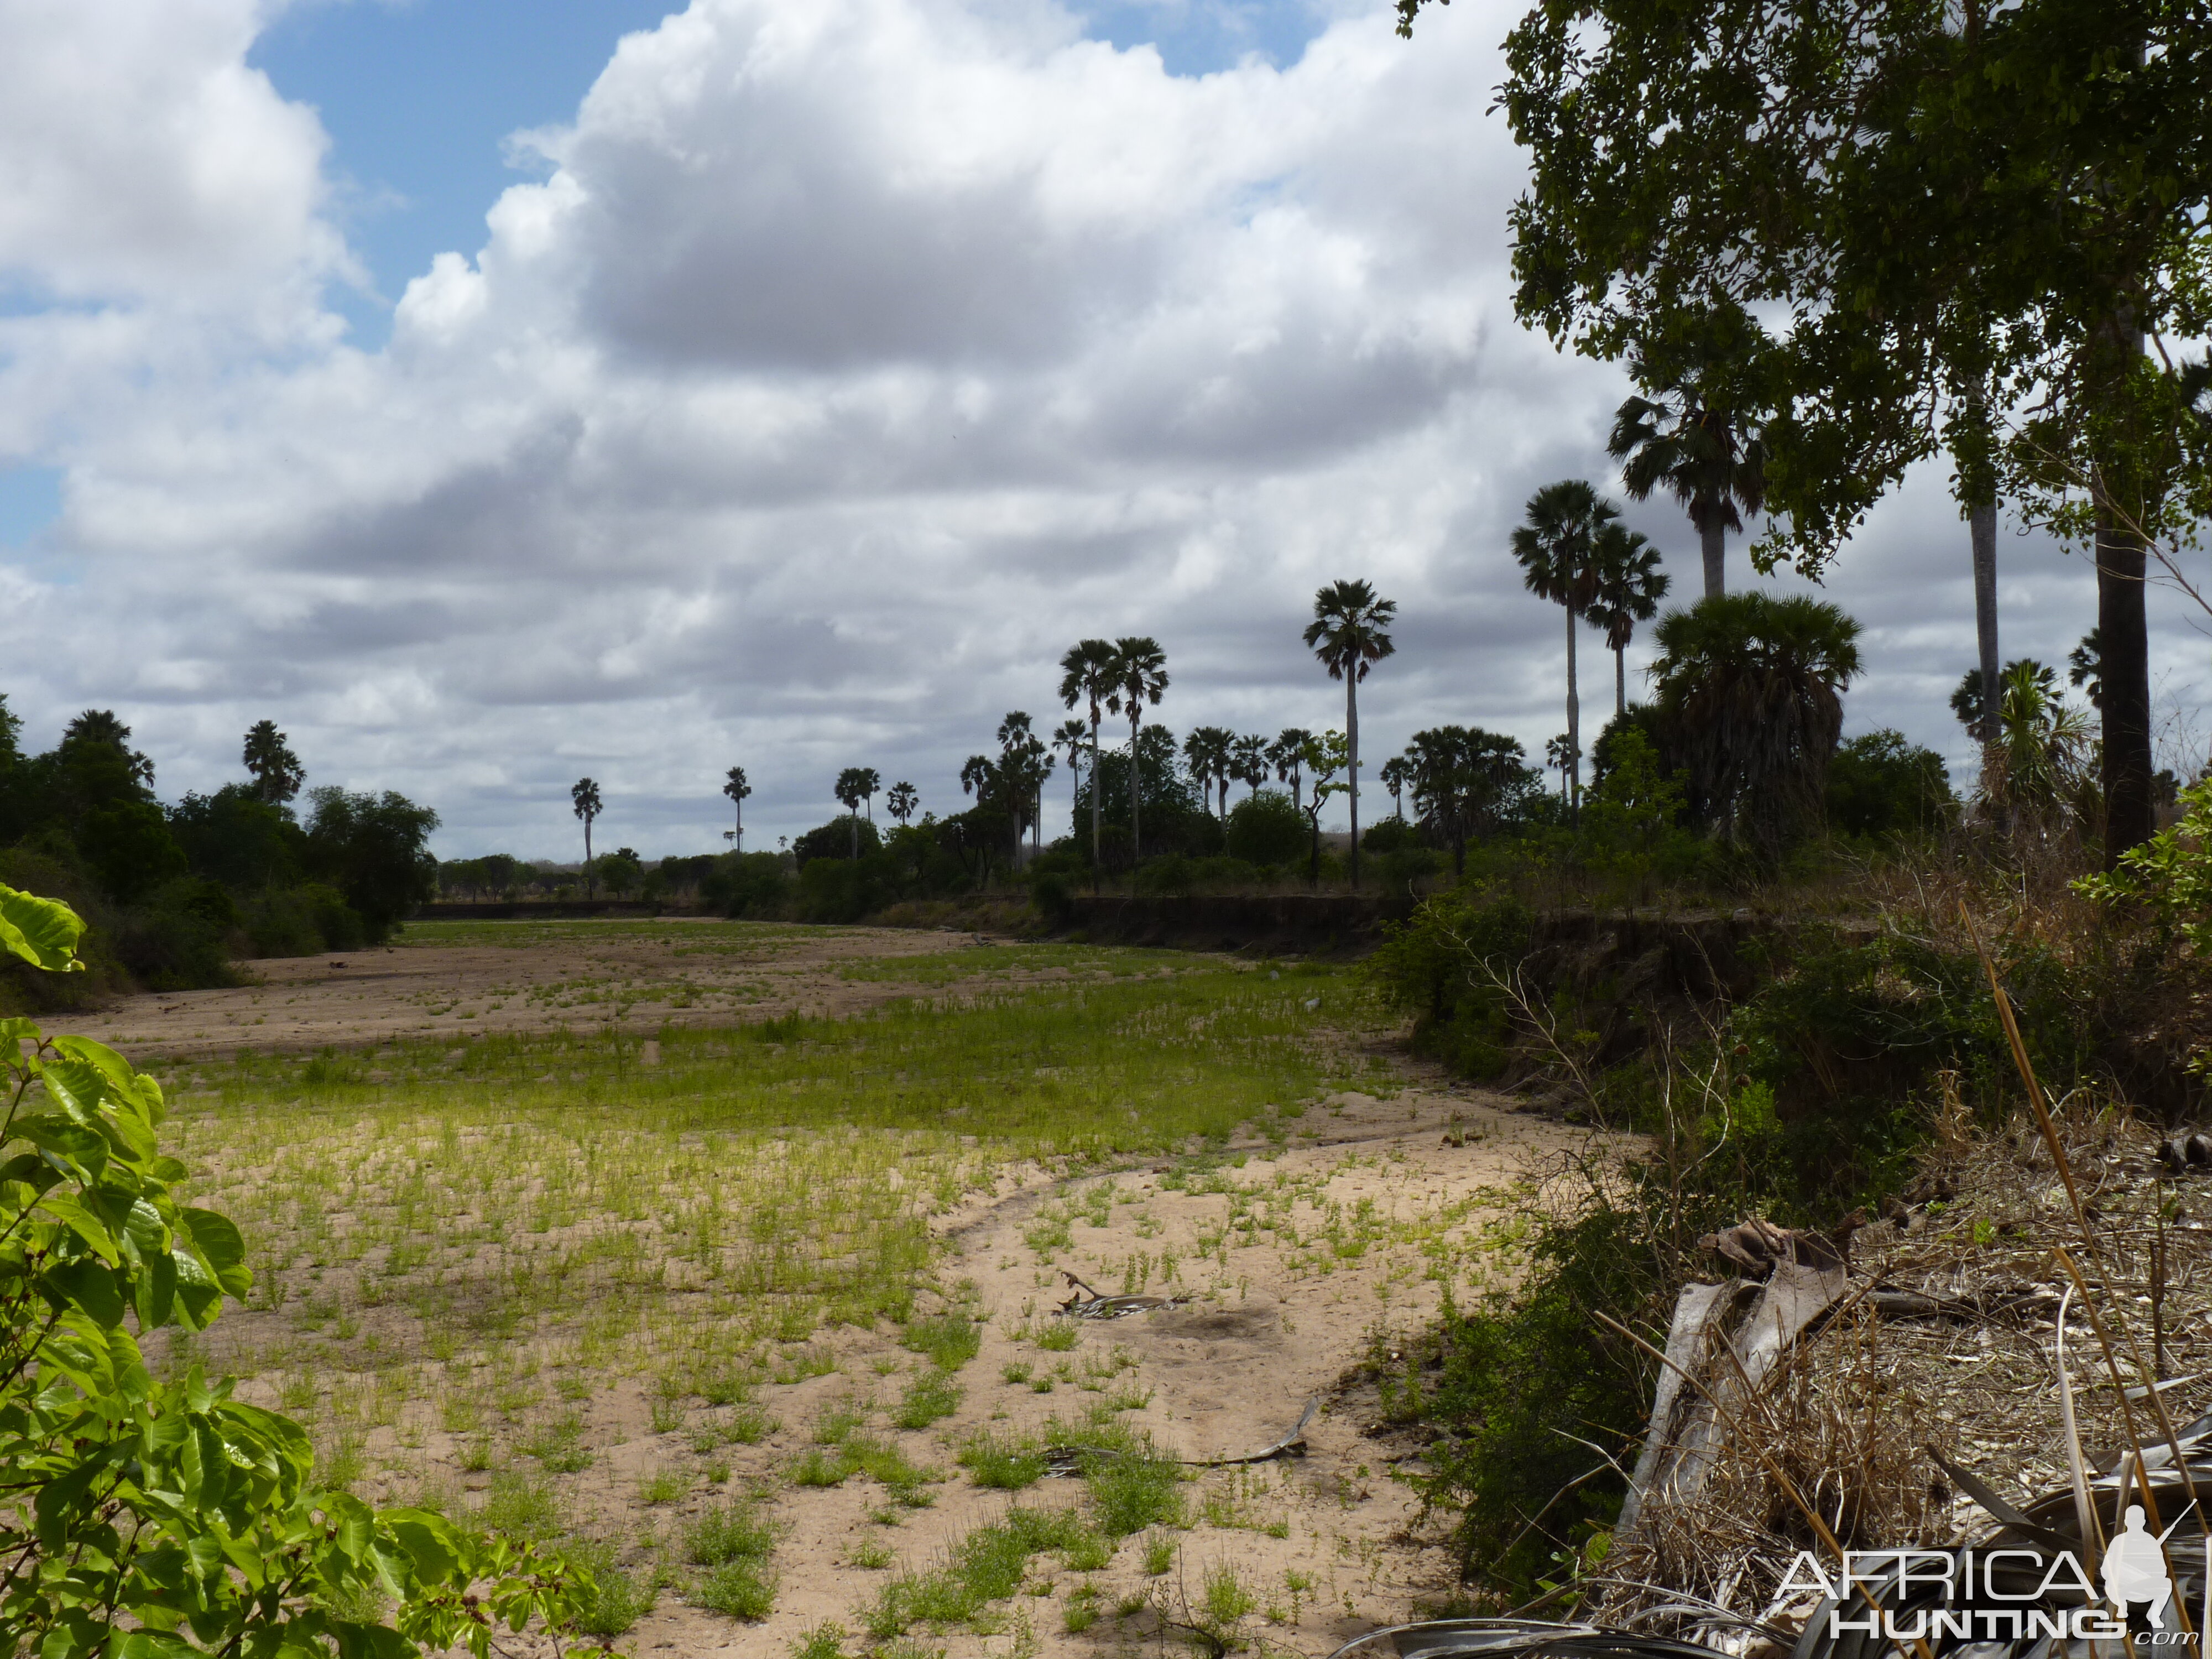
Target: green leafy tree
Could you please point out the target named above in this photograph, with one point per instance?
(1632, 816)
(1346, 634)
(1557, 548)
(1750, 689)
(1881, 784)
(1087, 679)
(1699, 454)
(276, 770)
(1890, 232)
(1630, 585)
(737, 788)
(585, 796)
(1328, 757)
(1264, 828)
(1140, 676)
(169, 1519)
(624, 870)
(376, 850)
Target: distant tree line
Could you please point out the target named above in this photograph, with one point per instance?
(174, 892)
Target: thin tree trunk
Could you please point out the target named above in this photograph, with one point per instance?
(1136, 839)
(1097, 842)
(1351, 759)
(590, 876)
(1574, 763)
(2130, 817)
(1982, 527)
(1620, 682)
(1712, 542)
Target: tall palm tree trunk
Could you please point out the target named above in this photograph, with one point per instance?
(1620, 682)
(1572, 781)
(1096, 834)
(1712, 542)
(1982, 527)
(1352, 757)
(1136, 840)
(590, 876)
(2130, 817)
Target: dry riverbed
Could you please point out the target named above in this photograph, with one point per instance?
(585, 1311)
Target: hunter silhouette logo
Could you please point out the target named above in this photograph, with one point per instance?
(2135, 1568)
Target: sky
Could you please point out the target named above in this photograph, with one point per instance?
(494, 394)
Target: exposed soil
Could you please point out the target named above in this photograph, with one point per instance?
(1328, 1543)
(679, 971)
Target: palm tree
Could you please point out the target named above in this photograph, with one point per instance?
(855, 784)
(1751, 692)
(737, 789)
(1706, 457)
(1208, 750)
(1024, 762)
(1461, 778)
(1559, 755)
(1141, 675)
(1248, 761)
(1087, 676)
(1396, 773)
(584, 795)
(1287, 755)
(2042, 757)
(1346, 634)
(276, 770)
(1979, 713)
(1069, 738)
(1630, 585)
(1558, 549)
(2086, 667)
(901, 801)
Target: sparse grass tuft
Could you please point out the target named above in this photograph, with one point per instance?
(1008, 1464)
(930, 1395)
(986, 1565)
(1058, 1336)
(950, 1340)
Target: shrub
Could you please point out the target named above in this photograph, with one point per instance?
(1266, 828)
(1392, 835)
(1880, 784)
(1172, 875)
(754, 884)
(1434, 966)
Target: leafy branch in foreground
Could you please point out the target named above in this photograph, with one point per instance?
(161, 1519)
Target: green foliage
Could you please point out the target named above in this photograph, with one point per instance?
(1628, 823)
(950, 1340)
(755, 885)
(1437, 964)
(618, 1597)
(986, 1565)
(1005, 1463)
(376, 850)
(1880, 784)
(930, 1395)
(1390, 835)
(836, 840)
(1267, 828)
(1525, 1383)
(2171, 876)
(169, 1509)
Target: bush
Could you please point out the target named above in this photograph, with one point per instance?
(836, 840)
(1882, 785)
(1266, 828)
(752, 885)
(1435, 966)
(1392, 835)
(1173, 875)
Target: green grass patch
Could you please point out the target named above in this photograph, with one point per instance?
(949, 1340)
(986, 1565)
(930, 1396)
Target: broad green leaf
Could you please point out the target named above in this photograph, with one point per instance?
(156, 1292)
(77, 1149)
(63, 1207)
(223, 1249)
(99, 1056)
(87, 1284)
(42, 932)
